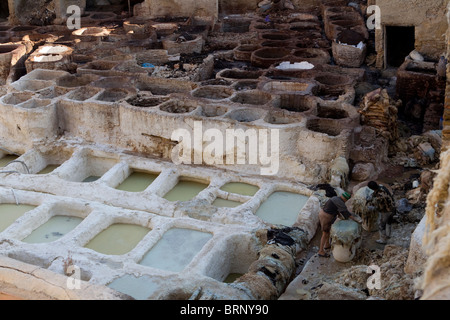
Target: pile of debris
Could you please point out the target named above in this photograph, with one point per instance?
(394, 283)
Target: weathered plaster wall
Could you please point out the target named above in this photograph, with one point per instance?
(428, 17)
(177, 8)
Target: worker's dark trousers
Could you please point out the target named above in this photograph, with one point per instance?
(384, 223)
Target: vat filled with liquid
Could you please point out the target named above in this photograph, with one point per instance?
(137, 181)
(48, 169)
(282, 208)
(7, 159)
(176, 249)
(185, 190)
(232, 277)
(11, 212)
(55, 228)
(224, 203)
(140, 288)
(240, 188)
(117, 239)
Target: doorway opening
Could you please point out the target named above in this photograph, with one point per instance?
(4, 10)
(400, 42)
(117, 6)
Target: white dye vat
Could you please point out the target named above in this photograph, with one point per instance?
(185, 190)
(232, 277)
(55, 228)
(91, 179)
(139, 288)
(281, 208)
(11, 212)
(176, 249)
(7, 159)
(118, 239)
(137, 181)
(219, 202)
(240, 188)
(48, 169)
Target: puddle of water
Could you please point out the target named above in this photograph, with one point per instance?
(137, 181)
(118, 239)
(139, 288)
(11, 212)
(281, 208)
(55, 228)
(176, 249)
(240, 188)
(185, 191)
(91, 179)
(48, 169)
(232, 277)
(219, 202)
(7, 159)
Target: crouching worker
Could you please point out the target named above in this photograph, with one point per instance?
(327, 216)
(383, 202)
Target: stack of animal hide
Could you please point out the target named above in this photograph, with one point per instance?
(378, 110)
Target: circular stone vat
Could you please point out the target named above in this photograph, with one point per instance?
(259, 26)
(100, 65)
(275, 44)
(293, 102)
(217, 82)
(146, 101)
(306, 43)
(47, 57)
(238, 74)
(246, 115)
(83, 93)
(282, 118)
(78, 80)
(53, 49)
(16, 98)
(7, 48)
(286, 86)
(213, 92)
(174, 106)
(245, 85)
(254, 97)
(165, 29)
(312, 55)
(23, 30)
(35, 103)
(244, 51)
(275, 36)
(331, 93)
(113, 82)
(213, 111)
(267, 56)
(332, 79)
(308, 26)
(326, 126)
(113, 95)
(331, 112)
(91, 31)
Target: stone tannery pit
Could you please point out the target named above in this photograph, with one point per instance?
(170, 150)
